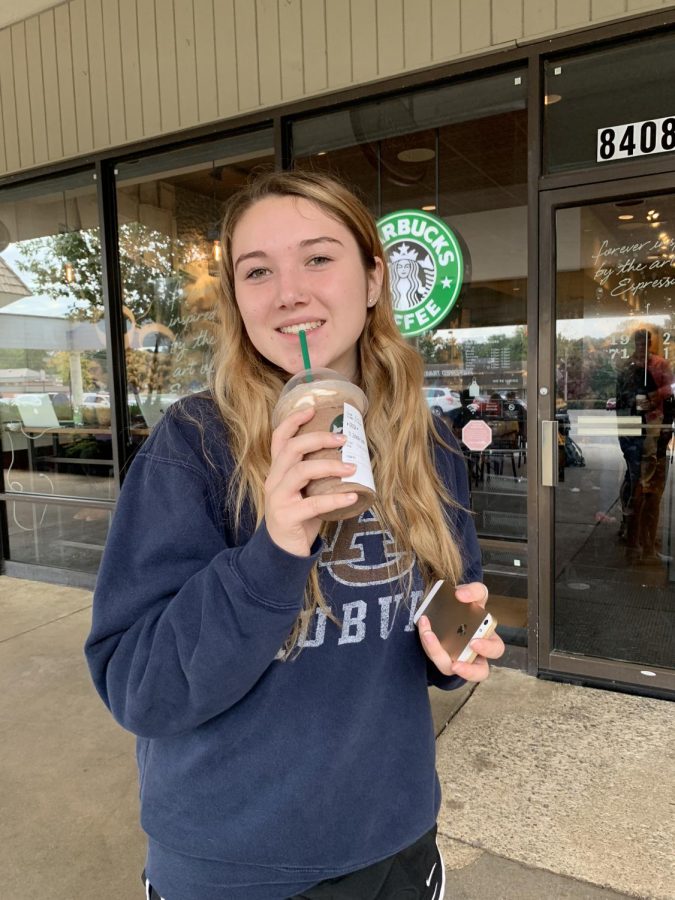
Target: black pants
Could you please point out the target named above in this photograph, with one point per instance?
(415, 873)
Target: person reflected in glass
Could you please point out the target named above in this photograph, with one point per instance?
(268, 662)
(516, 410)
(644, 390)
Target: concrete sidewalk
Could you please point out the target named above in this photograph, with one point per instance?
(550, 791)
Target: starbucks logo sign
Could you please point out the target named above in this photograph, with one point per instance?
(425, 268)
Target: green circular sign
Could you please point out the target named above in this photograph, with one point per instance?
(425, 268)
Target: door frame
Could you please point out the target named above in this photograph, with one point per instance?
(557, 663)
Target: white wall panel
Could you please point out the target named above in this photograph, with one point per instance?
(89, 74)
(10, 142)
(81, 76)
(390, 54)
(539, 17)
(339, 42)
(416, 33)
(36, 90)
(64, 65)
(314, 46)
(364, 40)
(267, 12)
(186, 62)
(3, 156)
(21, 94)
(131, 69)
(205, 52)
(51, 85)
(445, 29)
(246, 46)
(507, 21)
(166, 66)
(290, 43)
(148, 68)
(226, 58)
(475, 25)
(606, 9)
(570, 13)
(113, 72)
(99, 93)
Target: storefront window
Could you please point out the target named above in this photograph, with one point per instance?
(54, 402)
(609, 106)
(458, 153)
(169, 209)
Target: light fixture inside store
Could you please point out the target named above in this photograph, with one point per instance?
(213, 234)
(550, 99)
(626, 217)
(68, 268)
(321, 153)
(416, 154)
(430, 208)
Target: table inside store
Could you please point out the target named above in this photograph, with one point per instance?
(56, 458)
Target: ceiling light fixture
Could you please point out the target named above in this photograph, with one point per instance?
(430, 208)
(550, 99)
(416, 154)
(626, 217)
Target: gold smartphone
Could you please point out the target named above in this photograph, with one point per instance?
(454, 623)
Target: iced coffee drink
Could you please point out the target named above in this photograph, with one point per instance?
(339, 407)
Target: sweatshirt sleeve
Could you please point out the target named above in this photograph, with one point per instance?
(452, 469)
(184, 625)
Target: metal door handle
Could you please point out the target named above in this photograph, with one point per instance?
(549, 453)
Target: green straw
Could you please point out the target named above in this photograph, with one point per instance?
(305, 353)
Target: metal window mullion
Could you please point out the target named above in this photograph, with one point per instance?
(111, 284)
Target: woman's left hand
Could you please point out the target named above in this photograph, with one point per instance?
(486, 648)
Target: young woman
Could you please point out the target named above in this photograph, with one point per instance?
(267, 662)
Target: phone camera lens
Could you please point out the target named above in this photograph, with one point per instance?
(485, 622)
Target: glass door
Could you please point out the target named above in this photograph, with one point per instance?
(607, 446)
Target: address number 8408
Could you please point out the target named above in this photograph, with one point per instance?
(636, 139)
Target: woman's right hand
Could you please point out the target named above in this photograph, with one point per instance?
(293, 521)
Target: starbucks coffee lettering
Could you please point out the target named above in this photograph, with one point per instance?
(425, 267)
(417, 228)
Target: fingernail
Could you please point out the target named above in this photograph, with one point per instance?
(339, 438)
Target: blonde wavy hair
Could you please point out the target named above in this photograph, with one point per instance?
(400, 428)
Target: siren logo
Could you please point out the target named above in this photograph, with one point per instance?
(425, 268)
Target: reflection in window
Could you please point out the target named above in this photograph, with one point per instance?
(169, 209)
(54, 402)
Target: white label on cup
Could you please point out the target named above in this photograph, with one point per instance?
(356, 448)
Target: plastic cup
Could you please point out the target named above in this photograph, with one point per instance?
(339, 407)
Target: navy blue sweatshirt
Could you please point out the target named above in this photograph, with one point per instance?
(260, 776)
